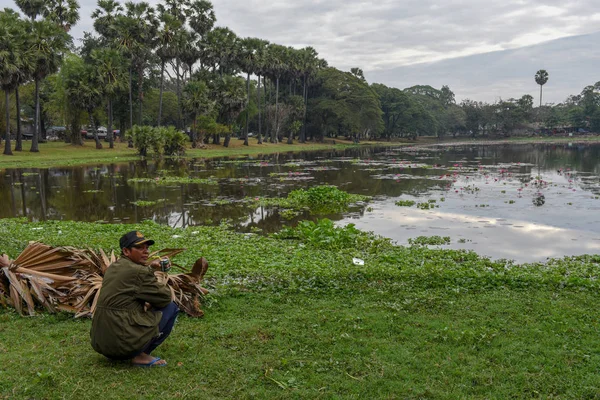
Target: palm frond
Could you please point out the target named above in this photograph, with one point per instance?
(69, 279)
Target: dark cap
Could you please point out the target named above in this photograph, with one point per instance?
(133, 238)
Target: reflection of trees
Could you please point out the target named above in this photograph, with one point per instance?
(60, 193)
(583, 157)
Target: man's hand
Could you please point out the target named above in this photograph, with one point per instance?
(156, 264)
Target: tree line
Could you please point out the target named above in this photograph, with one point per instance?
(171, 65)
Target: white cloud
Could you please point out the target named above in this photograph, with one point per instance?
(390, 33)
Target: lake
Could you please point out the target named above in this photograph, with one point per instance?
(524, 202)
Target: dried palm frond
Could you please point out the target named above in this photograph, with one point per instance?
(185, 288)
(53, 260)
(101, 260)
(69, 279)
(4, 261)
(4, 291)
(4, 284)
(166, 252)
(85, 292)
(19, 292)
(169, 253)
(39, 273)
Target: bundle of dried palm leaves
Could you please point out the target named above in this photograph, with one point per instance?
(69, 279)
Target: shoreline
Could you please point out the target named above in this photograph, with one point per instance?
(59, 154)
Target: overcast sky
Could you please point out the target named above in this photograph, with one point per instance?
(389, 35)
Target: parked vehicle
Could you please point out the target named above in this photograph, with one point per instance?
(250, 134)
(56, 132)
(89, 133)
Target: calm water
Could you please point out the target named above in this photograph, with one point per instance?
(522, 202)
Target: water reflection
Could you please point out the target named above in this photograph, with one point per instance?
(518, 201)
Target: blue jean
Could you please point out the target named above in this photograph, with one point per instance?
(165, 326)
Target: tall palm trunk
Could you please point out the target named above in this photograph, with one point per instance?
(267, 102)
(111, 136)
(259, 116)
(274, 137)
(7, 150)
(540, 95)
(304, 97)
(130, 100)
(160, 96)
(19, 145)
(36, 121)
(179, 113)
(247, 108)
(140, 92)
(194, 134)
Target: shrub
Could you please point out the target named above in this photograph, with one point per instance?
(144, 138)
(174, 141)
(168, 141)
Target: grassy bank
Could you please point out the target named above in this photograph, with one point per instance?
(298, 319)
(55, 154)
(524, 139)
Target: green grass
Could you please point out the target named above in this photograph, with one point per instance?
(396, 344)
(54, 154)
(295, 318)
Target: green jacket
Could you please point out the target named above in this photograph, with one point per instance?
(120, 326)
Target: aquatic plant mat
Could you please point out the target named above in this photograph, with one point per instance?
(294, 317)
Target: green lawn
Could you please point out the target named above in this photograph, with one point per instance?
(61, 154)
(386, 343)
(297, 319)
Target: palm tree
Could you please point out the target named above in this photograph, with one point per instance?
(201, 16)
(135, 34)
(12, 57)
(89, 96)
(260, 70)
(541, 77)
(146, 28)
(184, 52)
(15, 63)
(77, 91)
(196, 102)
(62, 12)
(31, 8)
(189, 54)
(277, 58)
(104, 18)
(48, 43)
(165, 50)
(231, 98)
(308, 64)
(111, 70)
(220, 50)
(248, 63)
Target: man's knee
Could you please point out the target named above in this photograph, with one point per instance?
(173, 307)
(170, 310)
